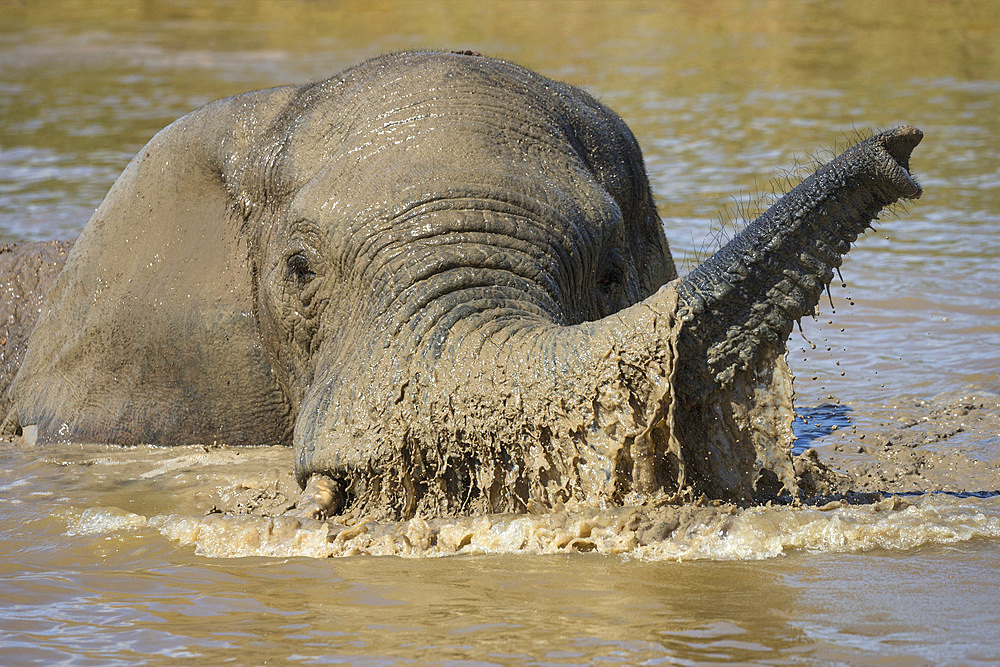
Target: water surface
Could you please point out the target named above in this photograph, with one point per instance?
(106, 556)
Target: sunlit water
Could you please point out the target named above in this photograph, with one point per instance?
(107, 555)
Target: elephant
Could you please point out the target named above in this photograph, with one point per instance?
(441, 278)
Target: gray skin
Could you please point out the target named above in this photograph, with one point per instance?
(27, 270)
(443, 280)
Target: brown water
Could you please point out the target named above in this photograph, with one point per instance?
(106, 555)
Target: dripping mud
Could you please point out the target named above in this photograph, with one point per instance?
(912, 472)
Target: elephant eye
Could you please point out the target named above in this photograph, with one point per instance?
(610, 281)
(299, 269)
(613, 275)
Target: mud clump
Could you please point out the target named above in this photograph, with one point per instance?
(262, 500)
(816, 478)
(948, 443)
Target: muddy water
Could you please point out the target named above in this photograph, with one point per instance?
(115, 555)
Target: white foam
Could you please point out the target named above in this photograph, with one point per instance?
(99, 520)
(759, 533)
(708, 534)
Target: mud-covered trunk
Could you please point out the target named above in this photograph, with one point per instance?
(598, 412)
(510, 416)
(701, 400)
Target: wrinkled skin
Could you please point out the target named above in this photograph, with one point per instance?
(442, 279)
(26, 273)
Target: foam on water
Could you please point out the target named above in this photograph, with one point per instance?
(648, 533)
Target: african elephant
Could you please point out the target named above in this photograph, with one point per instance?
(442, 279)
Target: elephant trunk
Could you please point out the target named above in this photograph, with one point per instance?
(510, 415)
(743, 301)
(739, 307)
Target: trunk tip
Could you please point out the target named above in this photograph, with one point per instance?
(897, 145)
(900, 143)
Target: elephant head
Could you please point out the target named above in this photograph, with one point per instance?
(443, 279)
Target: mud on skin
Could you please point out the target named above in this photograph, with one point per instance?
(441, 278)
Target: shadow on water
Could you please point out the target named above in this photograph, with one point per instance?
(812, 423)
(872, 497)
(954, 494)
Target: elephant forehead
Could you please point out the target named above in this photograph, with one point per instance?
(376, 105)
(401, 192)
(426, 154)
(436, 115)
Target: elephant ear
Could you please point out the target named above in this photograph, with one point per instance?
(149, 334)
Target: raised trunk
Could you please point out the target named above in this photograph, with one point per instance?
(740, 305)
(743, 301)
